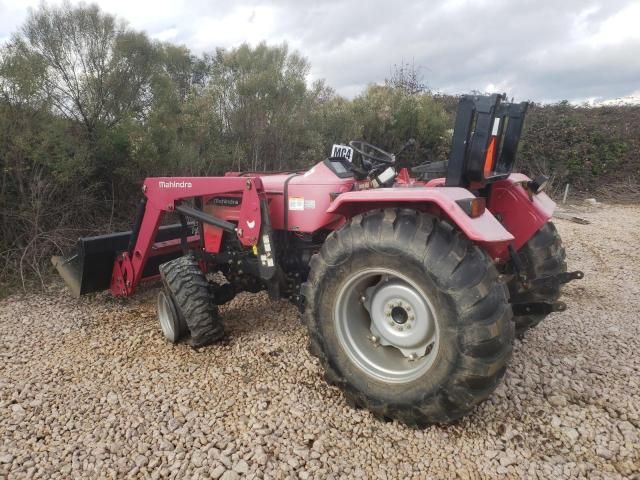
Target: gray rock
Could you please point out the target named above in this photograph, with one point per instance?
(571, 433)
(506, 460)
(198, 458)
(225, 460)
(604, 453)
(230, 475)
(112, 398)
(259, 397)
(557, 400)
(217, 472)
(241, 467)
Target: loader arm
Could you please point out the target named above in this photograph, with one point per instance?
(120, 261)
(164, 194)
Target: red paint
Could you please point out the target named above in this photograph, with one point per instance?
(212, 238)
(318, 199)
(485, 228)
(403, 177)
(162, 194)
(520, 212)
(314, 188)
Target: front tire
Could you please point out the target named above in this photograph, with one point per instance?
(172, 325)
(190, 292)
(390, 265)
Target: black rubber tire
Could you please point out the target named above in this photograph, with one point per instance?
(542, 255)
(474, 315)
(192, 297)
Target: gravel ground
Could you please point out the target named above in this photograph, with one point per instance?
(89, 388)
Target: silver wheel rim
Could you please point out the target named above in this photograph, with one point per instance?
(166, 317)
(386, 325)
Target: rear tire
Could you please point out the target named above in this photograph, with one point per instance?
(455, 278)
(542, 255)
(190, 292)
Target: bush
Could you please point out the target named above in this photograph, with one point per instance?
(89, 108)
(591, 148)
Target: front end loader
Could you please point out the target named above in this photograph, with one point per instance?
(412, 284)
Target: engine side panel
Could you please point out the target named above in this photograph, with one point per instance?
(308, 196)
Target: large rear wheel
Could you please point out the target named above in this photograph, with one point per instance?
(542, 255)
(407, 317)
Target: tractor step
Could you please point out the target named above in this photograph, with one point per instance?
(89, 268)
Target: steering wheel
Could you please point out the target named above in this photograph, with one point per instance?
(372, 152)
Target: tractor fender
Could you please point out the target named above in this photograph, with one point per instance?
(521, 211)
(484, 230)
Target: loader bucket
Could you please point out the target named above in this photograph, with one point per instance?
(88, 269)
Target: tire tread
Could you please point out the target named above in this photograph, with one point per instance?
(191, 294)
(457, 267)
(543, 255)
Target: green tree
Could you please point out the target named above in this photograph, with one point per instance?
(261, 98)
(94, 69)
(389, 117)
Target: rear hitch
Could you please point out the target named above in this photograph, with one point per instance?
(538, 308)
(547, 281)
(553, 281)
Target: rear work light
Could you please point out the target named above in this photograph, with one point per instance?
(474, 207)
(538, 184)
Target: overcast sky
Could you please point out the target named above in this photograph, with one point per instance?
(542, 50)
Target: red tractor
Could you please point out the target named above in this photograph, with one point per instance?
(411, 285)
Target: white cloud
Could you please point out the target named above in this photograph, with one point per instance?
(618, 28)
(540, 50)
(167, 35)
(251, 24)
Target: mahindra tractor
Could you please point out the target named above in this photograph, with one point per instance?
(412, 283)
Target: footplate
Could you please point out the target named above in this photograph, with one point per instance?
(538, 308)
